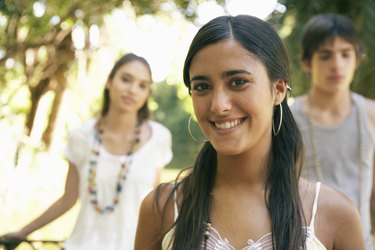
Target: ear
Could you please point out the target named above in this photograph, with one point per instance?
(280, 88)
(359, 60)
(306, 66)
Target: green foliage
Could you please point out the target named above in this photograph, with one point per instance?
(366, 71)
(172, 114)
(38, 37)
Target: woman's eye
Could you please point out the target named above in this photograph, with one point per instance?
(125, 79)
(144, 86)
(200, 87)
(238, 82)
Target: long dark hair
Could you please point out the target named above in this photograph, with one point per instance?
(283, 199)
(143, 112)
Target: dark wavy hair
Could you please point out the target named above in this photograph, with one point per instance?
(282, 193)
(326, 26)
(143, 112)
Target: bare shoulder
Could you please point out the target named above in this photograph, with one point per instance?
(159, 201)
(156, 207)
(340, 219)
(330, 201)
(161, 192)
(336, 221)
(336, 203)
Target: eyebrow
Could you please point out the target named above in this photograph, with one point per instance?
(126, 74)
(235, 72)
(225, 74)
(330, 51)
(199, 78)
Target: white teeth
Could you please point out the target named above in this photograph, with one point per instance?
(227, 125)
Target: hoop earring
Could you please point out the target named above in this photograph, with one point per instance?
(191, 134)
(275, 133)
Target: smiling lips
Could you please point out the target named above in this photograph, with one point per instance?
(228, 124)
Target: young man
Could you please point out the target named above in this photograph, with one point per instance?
(338, 125)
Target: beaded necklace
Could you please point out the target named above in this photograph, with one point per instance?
(207, 231)
(124, 169)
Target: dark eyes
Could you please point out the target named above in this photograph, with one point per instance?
(237, 83)
(125, 79)
(129, 80)
(326, 56)
(200, 86)
(143, 86)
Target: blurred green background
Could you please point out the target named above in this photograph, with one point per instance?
(55, 56)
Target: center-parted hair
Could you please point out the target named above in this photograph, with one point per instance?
(143, 112)
(281, 196)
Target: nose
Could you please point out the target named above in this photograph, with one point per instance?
(337, 61)
(221, 101)
(132, 87)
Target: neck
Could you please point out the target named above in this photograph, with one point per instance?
(120, 122)
(328, 109)
(328, 101)
(242, 170)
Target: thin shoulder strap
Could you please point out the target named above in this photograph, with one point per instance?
(315, 205)
(175, 201)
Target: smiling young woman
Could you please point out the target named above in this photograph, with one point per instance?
(244, 190)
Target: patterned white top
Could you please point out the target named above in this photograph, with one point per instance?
(216, 242)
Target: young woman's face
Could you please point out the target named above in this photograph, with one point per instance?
(232, 97)
(130, 87)
(333, 65)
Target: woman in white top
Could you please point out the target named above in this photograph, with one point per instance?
(244, 190)
(114, 161)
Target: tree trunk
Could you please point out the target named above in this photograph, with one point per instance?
(59, 93)
(65, 54)
(36, 94)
